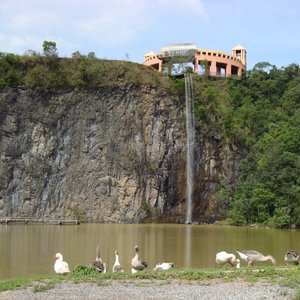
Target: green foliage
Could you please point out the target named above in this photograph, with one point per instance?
(189, 70)
(81, 270)
(259, 113)
(11, 284)
(10, 69)
(178, 85)
(50, 71)
(211, 105)
(282, 217)
(45, 285)
(265, 119)
(49, 49)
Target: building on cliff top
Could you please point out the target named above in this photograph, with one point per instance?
(203, 62)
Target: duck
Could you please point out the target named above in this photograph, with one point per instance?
(60, 266)
(223, 257)
(117, 267)
(292, 256)
(98, 264)
(136, 263)
(165, 266)
(252, 256)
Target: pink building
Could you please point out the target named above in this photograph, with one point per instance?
(209, 62)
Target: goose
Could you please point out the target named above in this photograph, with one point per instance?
(117, 267)
(136, 263)
(98, 264)
(165, 266)
(292, 256)
(60, 266)
(252, 256)
(223, 257)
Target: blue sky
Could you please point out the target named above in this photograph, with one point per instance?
(120, 29)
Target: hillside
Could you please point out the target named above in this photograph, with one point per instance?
(104, 141)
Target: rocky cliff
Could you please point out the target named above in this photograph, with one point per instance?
(113, 154)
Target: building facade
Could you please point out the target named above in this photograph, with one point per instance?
(204, 62)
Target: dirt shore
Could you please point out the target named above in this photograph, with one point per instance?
(155, 289)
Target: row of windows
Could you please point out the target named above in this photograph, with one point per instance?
(204, 53)
(218, 55)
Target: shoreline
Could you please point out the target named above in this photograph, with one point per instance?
(175, 289)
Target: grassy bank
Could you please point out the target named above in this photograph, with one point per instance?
(284, 276)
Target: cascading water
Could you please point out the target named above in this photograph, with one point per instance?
(190, 141)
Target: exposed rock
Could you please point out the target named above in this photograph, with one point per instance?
(106, 155)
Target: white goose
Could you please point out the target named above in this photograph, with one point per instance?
(252, 256)
(292, 256)
(117, 267)
(60, 267)
(223, 257)
(165, 266)
(98, 264)
(136, 263)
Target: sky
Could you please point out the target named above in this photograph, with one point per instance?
(127, 29)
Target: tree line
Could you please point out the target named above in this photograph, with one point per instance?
(260, 114)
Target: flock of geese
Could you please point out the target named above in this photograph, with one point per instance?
(222, 258)
(61, 267)
(253, 256)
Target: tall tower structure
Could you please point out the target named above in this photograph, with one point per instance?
(241, 53)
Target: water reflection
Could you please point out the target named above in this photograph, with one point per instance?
(187, 250)
(27, 250)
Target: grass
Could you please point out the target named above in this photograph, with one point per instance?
(12, 284)
(44, 286)
(288, 277)
(55, 72)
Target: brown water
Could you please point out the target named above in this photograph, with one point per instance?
(28, 250)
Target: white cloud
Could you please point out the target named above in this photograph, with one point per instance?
(25, 24)
(19, 43)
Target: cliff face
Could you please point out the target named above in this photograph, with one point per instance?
(108, 155)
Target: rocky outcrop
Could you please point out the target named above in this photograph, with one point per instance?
(107, 155)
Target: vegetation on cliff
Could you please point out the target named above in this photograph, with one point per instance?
(265, 118)
(259, 114)
(48, 71)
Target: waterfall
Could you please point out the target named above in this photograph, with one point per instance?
(190, 140)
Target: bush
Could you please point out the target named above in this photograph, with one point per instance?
(282, 218)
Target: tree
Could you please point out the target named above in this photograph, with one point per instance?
(76, 54)
(30, 52)
(49, 49)
(263, 66)
(91, 55)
